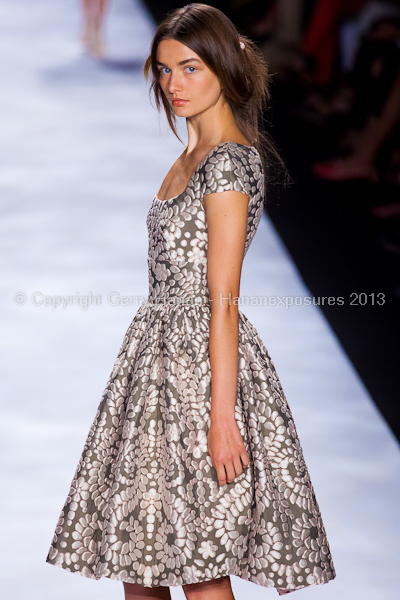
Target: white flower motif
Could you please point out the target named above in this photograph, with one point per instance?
(157, 370)
(161, 272)
(196, 443)
(208, 549)
(195, 255)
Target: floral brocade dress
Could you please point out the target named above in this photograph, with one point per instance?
(145, 505)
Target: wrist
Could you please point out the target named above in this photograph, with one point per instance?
(222, 418)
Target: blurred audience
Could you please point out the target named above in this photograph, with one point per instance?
(93, 13)
(341, 62)
(279, 32)
(320, 39)
(378, 76)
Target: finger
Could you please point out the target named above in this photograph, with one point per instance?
(221, 474)
(230, 471)
(244, 458)
(238, 466)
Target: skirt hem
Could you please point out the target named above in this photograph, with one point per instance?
(85, 572)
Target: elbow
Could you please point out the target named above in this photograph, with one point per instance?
(227, 302)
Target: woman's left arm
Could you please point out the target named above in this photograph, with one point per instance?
(227, 224)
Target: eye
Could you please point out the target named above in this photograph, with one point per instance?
(167, 70)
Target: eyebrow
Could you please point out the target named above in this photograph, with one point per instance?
(182, 62)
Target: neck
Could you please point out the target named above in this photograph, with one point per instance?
(211, 127)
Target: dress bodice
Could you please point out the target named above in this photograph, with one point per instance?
(177, 227)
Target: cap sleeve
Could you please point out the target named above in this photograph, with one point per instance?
(231, 167)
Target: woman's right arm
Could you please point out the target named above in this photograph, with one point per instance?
(226, 223)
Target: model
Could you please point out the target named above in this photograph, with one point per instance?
(193, 470)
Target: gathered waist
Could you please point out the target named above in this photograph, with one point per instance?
(175, 301)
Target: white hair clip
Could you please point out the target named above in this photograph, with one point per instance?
(242, 45)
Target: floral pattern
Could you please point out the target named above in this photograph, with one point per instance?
(145, 505)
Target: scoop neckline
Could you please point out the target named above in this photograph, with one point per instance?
(198, 166)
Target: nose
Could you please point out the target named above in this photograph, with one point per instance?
(175, 83)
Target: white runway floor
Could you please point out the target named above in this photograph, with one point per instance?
(82, 155)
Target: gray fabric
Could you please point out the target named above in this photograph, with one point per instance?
(145, 505)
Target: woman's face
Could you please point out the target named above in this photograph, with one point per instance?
(188, 84)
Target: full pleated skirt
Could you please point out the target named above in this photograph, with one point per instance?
(145, 505)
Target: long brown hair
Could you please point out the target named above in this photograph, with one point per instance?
(234, 59)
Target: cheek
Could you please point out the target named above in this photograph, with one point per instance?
(208, 88)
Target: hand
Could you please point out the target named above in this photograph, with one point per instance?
(227, 451)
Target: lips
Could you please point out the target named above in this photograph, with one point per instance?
(179, 101)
